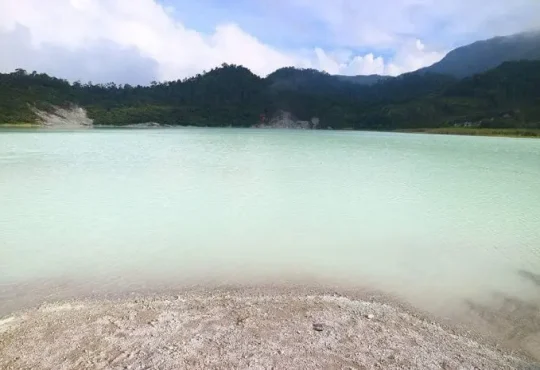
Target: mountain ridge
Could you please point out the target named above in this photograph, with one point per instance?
(504, 96)
(483, 55)
(464, 61)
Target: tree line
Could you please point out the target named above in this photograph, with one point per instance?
(231, 95)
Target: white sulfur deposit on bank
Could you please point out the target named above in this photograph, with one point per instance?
(66, 118)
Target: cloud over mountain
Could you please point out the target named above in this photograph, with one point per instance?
(137, 41)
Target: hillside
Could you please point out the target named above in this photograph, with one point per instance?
(507, 96)
(484, 55)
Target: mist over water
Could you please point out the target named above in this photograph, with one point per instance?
(438, 220)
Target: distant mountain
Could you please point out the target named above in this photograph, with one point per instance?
(364, 80)
(464, 61)
(484, 55)
(291, 78)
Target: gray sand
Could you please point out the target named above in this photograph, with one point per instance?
(259, 329)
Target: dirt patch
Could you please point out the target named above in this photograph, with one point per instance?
(239, 329)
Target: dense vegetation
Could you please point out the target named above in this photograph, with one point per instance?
(505, 97)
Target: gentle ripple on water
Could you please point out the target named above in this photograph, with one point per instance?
(433, 218)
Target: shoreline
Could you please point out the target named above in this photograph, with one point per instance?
(457, 131)
(241, 326)
(485, 132)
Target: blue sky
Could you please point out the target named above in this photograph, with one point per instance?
(261, 19)
(135, 41)
(294, 24)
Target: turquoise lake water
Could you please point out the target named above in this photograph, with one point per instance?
(432, 218)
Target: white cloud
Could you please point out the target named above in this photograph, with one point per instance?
(366, 65)
(140, 24)
(387, 23)
(99, 62)
(139, 40)
(411, 56)
(351, 65)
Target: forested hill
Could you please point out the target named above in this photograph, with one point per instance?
(482, 56)
(507, 96)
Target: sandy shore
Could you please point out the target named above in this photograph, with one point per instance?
(239, 328)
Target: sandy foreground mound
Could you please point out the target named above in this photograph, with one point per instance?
(237, 329)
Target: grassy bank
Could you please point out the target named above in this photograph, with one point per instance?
(19, 125)
(504, 132)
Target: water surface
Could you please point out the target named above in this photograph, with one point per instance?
(432, 218)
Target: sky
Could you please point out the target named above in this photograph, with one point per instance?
(138, 41)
